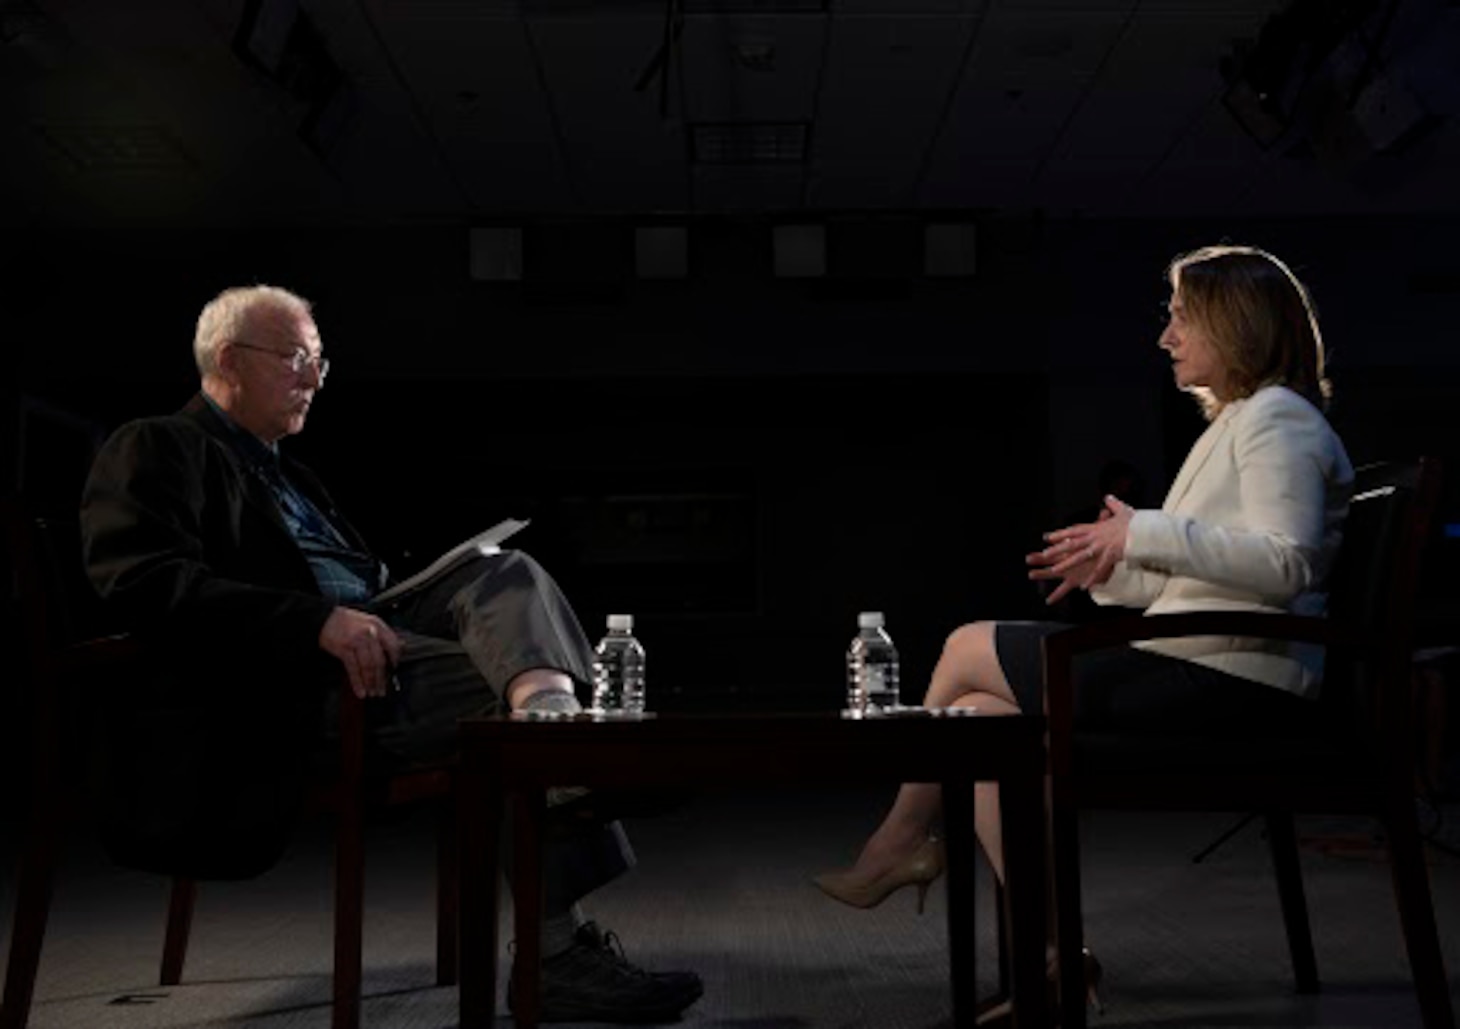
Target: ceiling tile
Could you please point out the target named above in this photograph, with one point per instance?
(1162, 74)
(723, 84)
(475, 82)
(886, 86)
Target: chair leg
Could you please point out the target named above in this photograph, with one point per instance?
(179, 927)
(1069, 919)
(349, 862)
(34, 884)
(1417, 914)
(448, 892)
(349, 910)
(1283, 842)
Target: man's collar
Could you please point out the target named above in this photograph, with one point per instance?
(244, 435)
(248, 444)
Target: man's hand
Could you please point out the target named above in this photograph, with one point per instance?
(366, 646)
(1083, 556)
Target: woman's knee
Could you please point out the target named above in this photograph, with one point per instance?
(990, 702)
(970, 666)
(971, 640)
(961, 666)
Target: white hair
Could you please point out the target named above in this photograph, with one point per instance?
(227, 317)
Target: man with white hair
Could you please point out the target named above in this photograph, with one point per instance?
(251, 591)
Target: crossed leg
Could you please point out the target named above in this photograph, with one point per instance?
(967, 674)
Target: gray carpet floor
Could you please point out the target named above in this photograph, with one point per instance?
(722, 887)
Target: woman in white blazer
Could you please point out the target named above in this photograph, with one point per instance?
(1251, 523)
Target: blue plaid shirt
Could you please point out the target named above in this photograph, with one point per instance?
(345, 575)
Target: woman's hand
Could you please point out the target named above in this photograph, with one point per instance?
(1083, 556)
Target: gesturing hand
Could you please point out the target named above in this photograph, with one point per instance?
(366, 646)
(1083, 556)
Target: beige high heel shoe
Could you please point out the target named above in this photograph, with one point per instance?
(920, 869)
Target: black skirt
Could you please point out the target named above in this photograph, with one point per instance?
(1130, 689)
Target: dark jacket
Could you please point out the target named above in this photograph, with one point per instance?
(208, 744)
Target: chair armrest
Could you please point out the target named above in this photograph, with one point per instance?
(1062, 647)
(1081, 639)
(352, 790)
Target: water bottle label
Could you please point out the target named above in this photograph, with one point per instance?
(618, 676)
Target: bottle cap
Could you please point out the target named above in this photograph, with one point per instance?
(869, 620)
(622, 623)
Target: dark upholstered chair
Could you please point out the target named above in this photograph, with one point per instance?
(1356, 756)
(60, 668)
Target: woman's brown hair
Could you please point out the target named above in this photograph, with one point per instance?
(1259, 317)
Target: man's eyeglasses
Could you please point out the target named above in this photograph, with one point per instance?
(298, 359)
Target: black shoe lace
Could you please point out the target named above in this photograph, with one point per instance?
(614, 945)
(614, 948)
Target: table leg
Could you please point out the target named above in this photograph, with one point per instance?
(1021, 805)
(479, 800)
(962, 845)
(527, 896)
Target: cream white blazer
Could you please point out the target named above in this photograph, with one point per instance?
(1252, 523)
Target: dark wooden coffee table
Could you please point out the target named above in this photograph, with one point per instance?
(504, 757)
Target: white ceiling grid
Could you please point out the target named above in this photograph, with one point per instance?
(468, 109)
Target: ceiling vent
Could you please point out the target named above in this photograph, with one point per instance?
(113, 148)
(23, 22)
(755, 55)
(423, 10)
(749, 142)
(558, 7)
(755, 6)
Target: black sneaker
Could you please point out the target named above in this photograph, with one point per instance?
(592, 981)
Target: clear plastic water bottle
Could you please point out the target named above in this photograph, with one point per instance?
(618, 669)
(872, 681)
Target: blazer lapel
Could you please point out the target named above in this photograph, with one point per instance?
(256, 492)
(1197, 459)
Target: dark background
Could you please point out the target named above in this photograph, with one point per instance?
(742, 460)
(743, 463)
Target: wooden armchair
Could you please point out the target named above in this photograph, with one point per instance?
(1355, 757)
(59, 665)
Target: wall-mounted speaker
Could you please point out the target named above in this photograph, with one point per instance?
(799, 251)
(496, 254)
(950, 250)
(661, 251)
